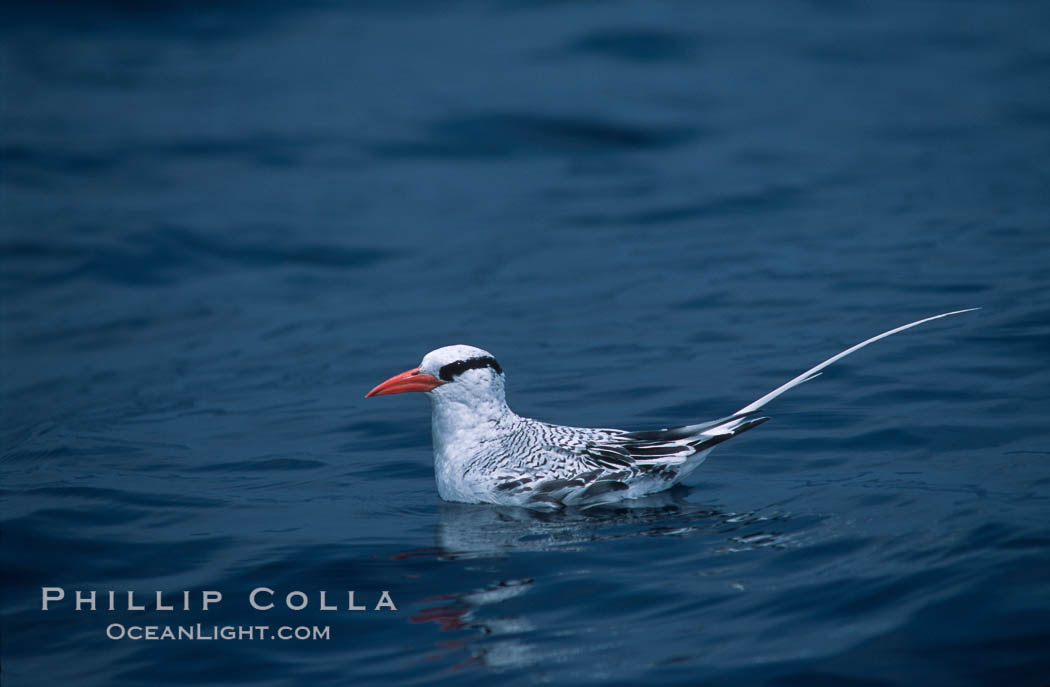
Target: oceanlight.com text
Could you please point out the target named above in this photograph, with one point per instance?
(201, 632)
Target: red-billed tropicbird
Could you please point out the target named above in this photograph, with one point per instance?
(486, 453)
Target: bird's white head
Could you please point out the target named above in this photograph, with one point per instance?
(458, 374)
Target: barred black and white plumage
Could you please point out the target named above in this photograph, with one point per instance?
(486, 453)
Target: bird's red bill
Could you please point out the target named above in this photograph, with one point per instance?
(409, 380)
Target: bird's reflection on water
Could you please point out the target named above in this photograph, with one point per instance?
(503, 645)
(471, 533)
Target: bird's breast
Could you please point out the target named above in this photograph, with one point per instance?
(465, 460)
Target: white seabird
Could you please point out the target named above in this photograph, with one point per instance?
(486, 453)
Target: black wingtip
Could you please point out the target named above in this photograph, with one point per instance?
(719, 438)
(684, 431)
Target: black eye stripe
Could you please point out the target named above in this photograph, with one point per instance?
(450, 371)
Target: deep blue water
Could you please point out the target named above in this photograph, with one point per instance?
(222, 223)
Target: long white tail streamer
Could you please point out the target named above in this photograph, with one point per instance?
(814, 371)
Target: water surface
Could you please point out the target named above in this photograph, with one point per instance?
(224, 223)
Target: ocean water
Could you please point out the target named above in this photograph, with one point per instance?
(223, 223)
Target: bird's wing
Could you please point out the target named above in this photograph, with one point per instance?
(603, 467)
(552, 492)
(580, 466)
(583, 488)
